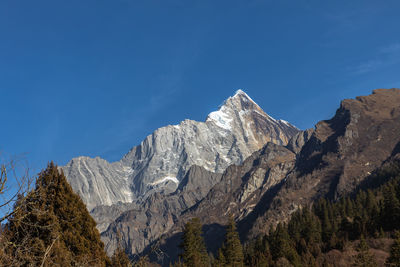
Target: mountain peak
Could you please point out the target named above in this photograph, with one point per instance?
(239, 102)
(241, 94)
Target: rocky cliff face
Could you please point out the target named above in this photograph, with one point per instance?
(260, 191)
(328, 161)
(339, 155)
(228, 136)
(161, 161)
(142, 196)
(142, 224)
(236, 192)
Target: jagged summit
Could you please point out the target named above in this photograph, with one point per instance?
(238, 101)
(239, 104)
(159, 163)
(240, 94)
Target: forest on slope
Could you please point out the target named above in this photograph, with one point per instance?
(358, 230)
(50, 226)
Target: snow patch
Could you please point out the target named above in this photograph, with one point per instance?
(167, 178)
(221, 118)
(247, 97)
(240, 92)
(285, 122)
(288, 124)
(269, 117)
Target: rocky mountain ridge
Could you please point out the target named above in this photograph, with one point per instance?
(164, 159)
(228, 136)
(331, 161)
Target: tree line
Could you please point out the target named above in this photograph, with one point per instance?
(50, 226)
(311, 232)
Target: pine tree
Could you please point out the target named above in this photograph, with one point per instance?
(232, 248)
(194, 250)
(391, 208)
(364, 257)
(282, 246)
(394, 258)
(326, 224)
(372, 212)
(52, 227)
(220, 261)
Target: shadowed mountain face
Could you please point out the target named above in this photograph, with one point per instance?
(171, 171)
(339, 155)
(330, 160)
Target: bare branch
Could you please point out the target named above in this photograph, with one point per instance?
(48, 251)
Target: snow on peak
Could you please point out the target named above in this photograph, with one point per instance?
(221, 118)
(240, 92)
(164, 179)
(287, 123)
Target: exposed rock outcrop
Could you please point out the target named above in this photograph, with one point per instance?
(141, 196)
(330, 161)
(340, 154)
(159, 163)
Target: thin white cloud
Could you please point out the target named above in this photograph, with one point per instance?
(384, 57)
(367, 66)
(390, 49)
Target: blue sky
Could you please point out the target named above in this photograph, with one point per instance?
(94, 77)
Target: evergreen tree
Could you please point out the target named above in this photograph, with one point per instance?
(349, 207)
(282, 246)
(310, 233)
(394, 258)
(372, 213)
(232, 248)
(364, 258)
(52, 227)
(194, 250)
(391, 208)
(257, 253)
(220, 261)
(326, 224)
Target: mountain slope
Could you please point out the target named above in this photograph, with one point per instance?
(340, 154)
(329, 161)
(161, 161)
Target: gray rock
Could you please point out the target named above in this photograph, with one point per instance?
(142, 196)
(141, 225)
(159, 163)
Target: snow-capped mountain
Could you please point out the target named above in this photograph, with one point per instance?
(228, 136)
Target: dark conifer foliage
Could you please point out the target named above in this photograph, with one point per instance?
(331, 225)
(194, 250)
(364, 257)
(394, 258)
(232, 251)
(313, 232)
(52, 227)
